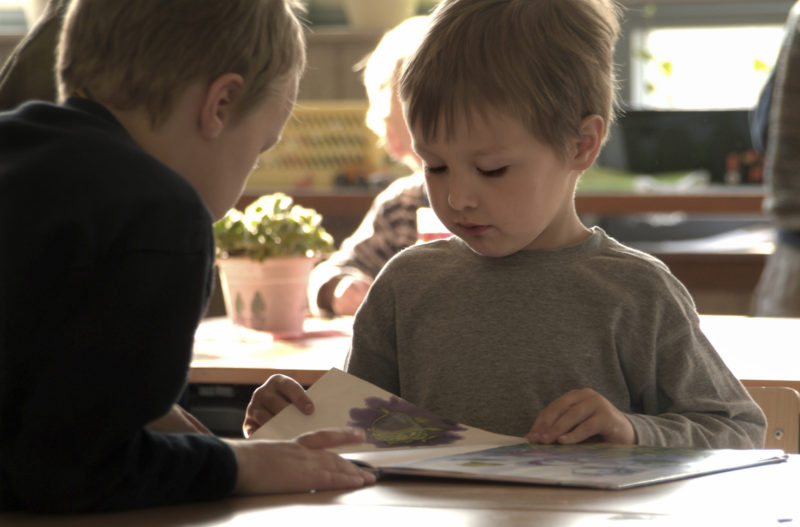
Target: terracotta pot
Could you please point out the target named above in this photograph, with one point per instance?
(269, 295)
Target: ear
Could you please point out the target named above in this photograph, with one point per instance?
(217, 104)
(590, 140)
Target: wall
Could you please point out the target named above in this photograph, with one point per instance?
(332, 56)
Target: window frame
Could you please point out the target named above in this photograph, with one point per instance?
(640, 16)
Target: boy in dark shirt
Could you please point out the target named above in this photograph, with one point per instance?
(106, 205)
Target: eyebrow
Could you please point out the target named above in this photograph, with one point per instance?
(493, 151)
(500, 150)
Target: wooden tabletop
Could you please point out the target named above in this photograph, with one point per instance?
(229, 354)
(760, 351)
(765, 495)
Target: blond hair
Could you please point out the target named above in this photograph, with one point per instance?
(131, 54)
(383, 66)
(548, 63)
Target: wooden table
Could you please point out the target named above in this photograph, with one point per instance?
(765, 495)
(759, 351)
(228, 354)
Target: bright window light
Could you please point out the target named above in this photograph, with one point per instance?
(702, 67)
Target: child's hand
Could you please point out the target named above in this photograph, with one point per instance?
(579, 415)
(270, 398)
(348, 295)
(267, 467)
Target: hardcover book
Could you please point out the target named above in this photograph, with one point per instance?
(403, 439)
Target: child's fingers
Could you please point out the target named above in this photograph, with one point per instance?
(331, 438)
(287, 389)
(592, 416)
(584, 430)
(253, 420)
(277, 393)
(568, 424)
(554, 419)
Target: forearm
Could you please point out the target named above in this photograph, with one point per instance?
(699, 430)
(323, 281)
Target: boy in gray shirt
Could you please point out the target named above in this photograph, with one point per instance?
(526, 322)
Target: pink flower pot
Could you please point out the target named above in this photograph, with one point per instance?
(269, 295)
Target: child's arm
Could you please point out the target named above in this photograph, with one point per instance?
(389, 226)
(348, 295)
(579, 415)
(270, 398)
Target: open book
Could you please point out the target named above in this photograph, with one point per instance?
(405, 439)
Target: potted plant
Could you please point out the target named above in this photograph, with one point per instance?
(264, 256)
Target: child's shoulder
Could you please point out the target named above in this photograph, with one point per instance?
(636, 268)
(427, 255)
(614, 249)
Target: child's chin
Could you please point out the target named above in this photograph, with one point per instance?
(491, 252)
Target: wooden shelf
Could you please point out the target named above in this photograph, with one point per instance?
(712, 202)
(723, 201)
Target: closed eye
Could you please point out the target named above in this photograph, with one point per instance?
(435, 170)
(494, 172)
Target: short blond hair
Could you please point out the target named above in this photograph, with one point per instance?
(383, 66)
(548, 63)
(131, 54)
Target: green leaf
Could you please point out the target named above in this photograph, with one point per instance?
(271, 226)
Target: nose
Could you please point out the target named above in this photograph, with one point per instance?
(462, 191)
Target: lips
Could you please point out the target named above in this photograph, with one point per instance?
(472, 228)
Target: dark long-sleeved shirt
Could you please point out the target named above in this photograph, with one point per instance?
(106, 259)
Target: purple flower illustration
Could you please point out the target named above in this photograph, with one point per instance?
(399, 423)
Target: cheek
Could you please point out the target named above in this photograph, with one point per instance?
(437, 190)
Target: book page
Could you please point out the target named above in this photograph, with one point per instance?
(405, 439)
(390, 422)
(596, 465)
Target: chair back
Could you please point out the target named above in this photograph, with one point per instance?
(782, 408)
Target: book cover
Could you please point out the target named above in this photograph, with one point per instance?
(403, 439)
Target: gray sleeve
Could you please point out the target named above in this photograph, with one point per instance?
(373, 350)
(692, 398)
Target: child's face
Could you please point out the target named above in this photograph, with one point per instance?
(494, 185)
(238, 152)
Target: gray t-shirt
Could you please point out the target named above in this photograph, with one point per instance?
(491, 341)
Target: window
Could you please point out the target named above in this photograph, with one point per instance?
(16, 16)
(698, 54)
(693, 68)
